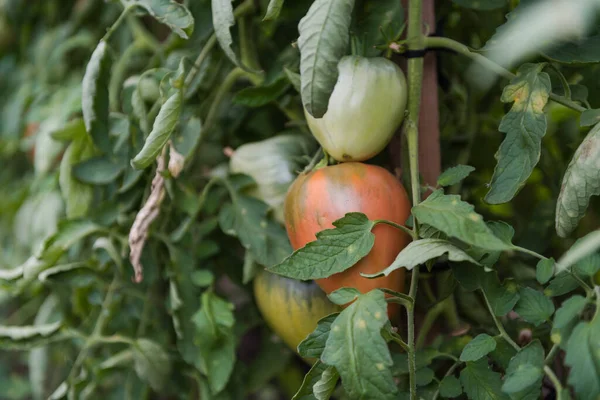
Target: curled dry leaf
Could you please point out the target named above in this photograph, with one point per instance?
(147, 214)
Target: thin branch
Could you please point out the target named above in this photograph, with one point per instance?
(464, 50)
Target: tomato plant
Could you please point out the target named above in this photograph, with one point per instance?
(245, 199)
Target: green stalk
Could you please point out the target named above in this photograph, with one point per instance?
(415, 79)
(465, 51)
(547, 370)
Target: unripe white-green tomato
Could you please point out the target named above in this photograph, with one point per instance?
(365, 109)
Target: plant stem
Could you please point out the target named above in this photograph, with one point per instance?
(499, 325)
(581, 282)
(557, 385)
(563, 80)
(397, 226)
(430, 318)
(551, 354)
(243, 9)
(228, 82)
(530, 252)
(464, 50)
(117, 23)
(98, 328)
(448, 373)
(208, 46)
(415, 80)
(547, 370)
(400, 342)
(314, 160)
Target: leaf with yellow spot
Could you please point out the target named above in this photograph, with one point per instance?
(313, 345)
(525, 126)
(343, 295)
(359, 353)
(456, 218)
(565, 319)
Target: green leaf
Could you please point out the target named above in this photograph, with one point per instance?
(357, 350)
(273, 10)
(420, 251)
(151, 362)
(334, 251)
(323, 42)
(450, 387)
(202, 278)
(98, 171)
(343, 295)
(566, 318)
(372, 17)
(589, 117)
(140, 110)
(261, 95)
(94, 99)
(588, 266)
(314, 344)
(223, 19)
(29, 337)
(577, 52)
(246, 218)
(477, 348)
(453, 175)
(294, 79)
(502, 297)
(580, 182)
(215, 340)
(78, 196)
(457, 218)
(186, 140)
(176, 16)
(69, 233)
(164, 124)
(584, 359)
(544, 270)
(324, 387)
(424, 376)
(72, 130)
(561, 284)
(525, 370)
(480, 383)
(481, 4)
(533, 306)
(582, 249)
(305, 392)
(525, 126)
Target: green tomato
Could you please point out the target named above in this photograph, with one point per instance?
(273, 164)
(365, 109)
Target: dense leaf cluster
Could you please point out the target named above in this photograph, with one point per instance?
(127, 244)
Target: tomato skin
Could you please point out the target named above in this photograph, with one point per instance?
(364, 111)
(291, 308)
(317, 199)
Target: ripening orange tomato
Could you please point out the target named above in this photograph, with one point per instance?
(317, 199)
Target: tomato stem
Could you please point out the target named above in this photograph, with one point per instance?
(549, 373)
(397, 226)
(415, 42)
(465, 51)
